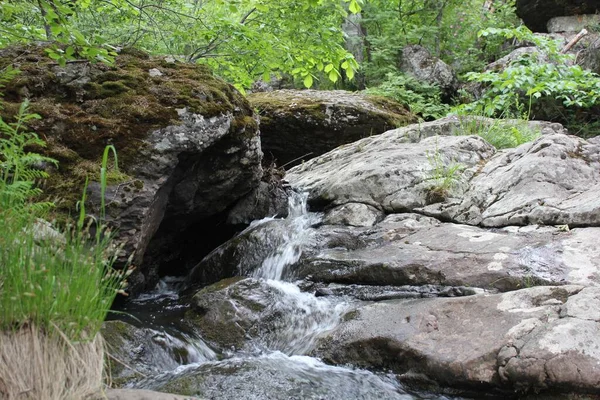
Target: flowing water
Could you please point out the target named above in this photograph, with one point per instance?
(276, 366)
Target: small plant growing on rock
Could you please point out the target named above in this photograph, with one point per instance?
(502, 134)
(443, 177)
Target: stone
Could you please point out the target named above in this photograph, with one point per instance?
(409, 249)
(396, 171)
(417, 61)
(187, 144)
(277, 376)
(268, 199)
(573, 23)
(140, 394)
(353, 214)
(550, 181)
(134, 353)
(240, 313)
(523, 340)
(298, 125)
(536, 13)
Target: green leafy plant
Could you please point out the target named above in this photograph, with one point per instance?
(500, 133)
(547, 80)
(443, 176)
(49, 279)
(422, 99)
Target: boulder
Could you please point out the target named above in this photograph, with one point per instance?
(417, 61)
(572, 23)
(534, 339)
(536, 13)
(239, 313)
(276, 376)
(297, 125)
(409, 249)
(134, 353)
(551, 181)
(397, 171)
(187, 144)
(140, 394)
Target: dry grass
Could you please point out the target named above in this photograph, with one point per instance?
(35, 366)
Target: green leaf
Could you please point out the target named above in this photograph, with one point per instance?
(350, 73)
(354, 7)
(333, 76)
(328, 68)
(308, 81)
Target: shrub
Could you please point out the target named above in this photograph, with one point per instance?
(422, 99)
(548, 83)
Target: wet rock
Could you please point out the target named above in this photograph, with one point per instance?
(242, 313)
(266, 200)
(134, 353)
(260, 248)
(276, 376)
(512, 341)
(536, 13)
(379, 293)
(551, 181)
(140, 394)
(417, 61)
(298, 125)
(187, 144)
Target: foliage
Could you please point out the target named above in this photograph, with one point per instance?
(502, 134)
(422, 99)
(242, 39)
(448, 28)
(48, 279)
(539, 79)
(443, 176)
(19, 168)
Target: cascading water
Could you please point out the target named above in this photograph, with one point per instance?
(276, 364)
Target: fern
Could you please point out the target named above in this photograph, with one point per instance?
(20, 169)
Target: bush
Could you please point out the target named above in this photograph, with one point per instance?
(422, 99)
(544, 85)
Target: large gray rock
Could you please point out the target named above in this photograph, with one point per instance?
(396, 171)
(187, 143)
(409, 249)
(298, 125)
(277, 377)
(531, 339)
(536, 13)
(239, 313)
(553, 180)
(572, 23)
(140, 394)
(417, 61)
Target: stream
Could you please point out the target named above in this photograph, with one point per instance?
(276, 364)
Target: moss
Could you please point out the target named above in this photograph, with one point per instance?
(183, 385)
(222, 284)
(118, 105)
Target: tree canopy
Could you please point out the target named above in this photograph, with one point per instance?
(241, 39)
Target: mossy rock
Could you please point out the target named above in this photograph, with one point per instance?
(85, 107)
(298, 125)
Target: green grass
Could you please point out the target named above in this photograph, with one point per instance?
(55, 281)
(502, 134)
